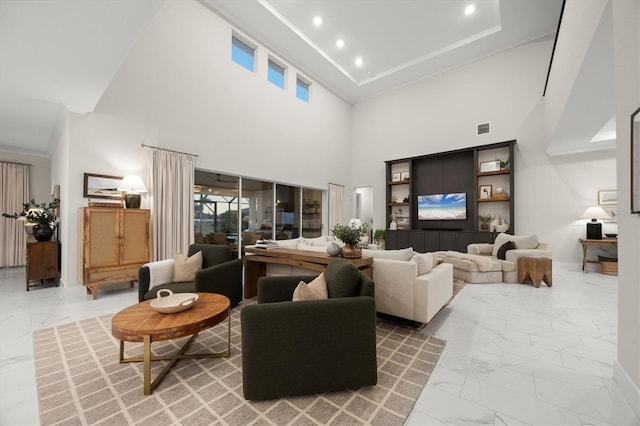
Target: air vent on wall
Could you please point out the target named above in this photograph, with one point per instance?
(484, 128)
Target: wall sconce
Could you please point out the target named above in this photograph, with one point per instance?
(594, 228)
(131, 187)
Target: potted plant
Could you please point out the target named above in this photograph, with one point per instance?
(485, 220)
(378, 238)
(42, 215)
(350, 236)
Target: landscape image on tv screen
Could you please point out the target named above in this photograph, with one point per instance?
(442, 206)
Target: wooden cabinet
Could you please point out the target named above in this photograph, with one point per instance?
(42, 262)
(113, 243)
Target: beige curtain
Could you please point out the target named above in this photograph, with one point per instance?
(171, 201)
(14, 186)
(336, 205)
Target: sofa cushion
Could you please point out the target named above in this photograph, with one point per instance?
(342, 278)
(186, 267)
(521, 242)
(289, 244)
(402, 254)
(160, 272)
(424, 261)
(502, 251)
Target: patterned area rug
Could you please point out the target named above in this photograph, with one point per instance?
(80, 381)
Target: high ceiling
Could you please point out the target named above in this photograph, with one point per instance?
(399, 41)
(62, 54)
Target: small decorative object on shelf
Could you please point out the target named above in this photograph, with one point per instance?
(485, 219)
(404, 176)
(350, 236)
(42, 215)
(504, 165)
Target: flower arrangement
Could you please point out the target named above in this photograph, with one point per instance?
(350, 235)
(41, 214)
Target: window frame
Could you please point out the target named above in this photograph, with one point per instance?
(283, 75)
(245, 43)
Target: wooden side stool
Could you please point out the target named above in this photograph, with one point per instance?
(537, 269)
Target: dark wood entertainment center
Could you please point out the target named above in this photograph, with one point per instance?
(459, 171)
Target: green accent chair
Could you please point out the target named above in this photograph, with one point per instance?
(304, 347)
(220, 274)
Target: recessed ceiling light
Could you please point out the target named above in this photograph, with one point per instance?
(359, 62)
(340, 43)
(470, 9)
(317, 21)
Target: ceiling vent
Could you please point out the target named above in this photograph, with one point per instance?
(484, 128)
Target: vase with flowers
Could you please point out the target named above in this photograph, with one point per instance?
(350, 236)
(41, 215)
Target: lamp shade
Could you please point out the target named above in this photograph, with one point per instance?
(132, 183)
(594, 213)
(355, 223)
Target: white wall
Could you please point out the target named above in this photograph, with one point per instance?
(441, 113)
(626, 19)
(179, 89)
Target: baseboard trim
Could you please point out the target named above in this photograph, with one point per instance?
(626, 385)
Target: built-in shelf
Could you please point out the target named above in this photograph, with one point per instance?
(492, 200)
(497, 172)
(400, 182)
(398, 204)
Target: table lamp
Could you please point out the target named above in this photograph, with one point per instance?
(594, 228)
(131, 187)
(355, 223)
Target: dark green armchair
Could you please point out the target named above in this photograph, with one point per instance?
(291, 348)
(220, 274)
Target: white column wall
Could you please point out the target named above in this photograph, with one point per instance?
(626, 36)
(179, 89)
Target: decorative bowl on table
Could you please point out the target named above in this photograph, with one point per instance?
(173, 302)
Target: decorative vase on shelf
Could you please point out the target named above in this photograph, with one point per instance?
(351, 252)
(503, 227)
(393, 226)
(493, 226)
(333, 249)
(42, 232)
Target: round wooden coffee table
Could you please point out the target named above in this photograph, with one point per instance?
(141, 323)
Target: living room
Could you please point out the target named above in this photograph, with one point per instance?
(178, 89)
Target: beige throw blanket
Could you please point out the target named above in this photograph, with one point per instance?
(484, 262)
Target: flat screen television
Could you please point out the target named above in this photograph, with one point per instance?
(451, 206)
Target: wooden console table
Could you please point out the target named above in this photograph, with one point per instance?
(586, 243)
(256, 259)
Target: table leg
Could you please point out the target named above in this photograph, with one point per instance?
(147, 365)
(584, 258)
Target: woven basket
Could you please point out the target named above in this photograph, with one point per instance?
(608, 266)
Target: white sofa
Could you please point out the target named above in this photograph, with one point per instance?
(407, 284)
(481, 264)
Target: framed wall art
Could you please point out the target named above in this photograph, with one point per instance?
(490, 166)
(395, 177)
(607, 197)
(635, 161)
(485, 191)
(102, 186)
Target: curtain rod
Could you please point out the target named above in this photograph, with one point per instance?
(169, 150)
(17, 164)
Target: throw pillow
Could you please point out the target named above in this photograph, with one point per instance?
(186, 267)
(160, 272)
(502, 251)
(304, 292)
(343, 278)
(319, 285)
(424, 261)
